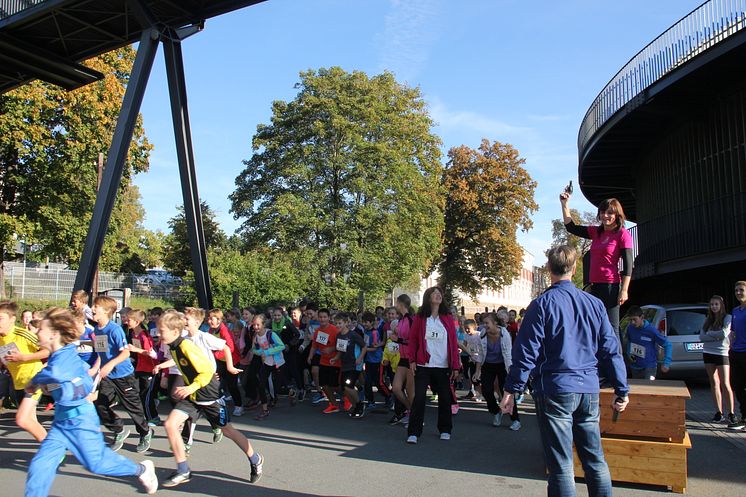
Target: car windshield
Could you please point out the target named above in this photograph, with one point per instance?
(685, 321)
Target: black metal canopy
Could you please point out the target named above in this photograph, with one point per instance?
(47, 40)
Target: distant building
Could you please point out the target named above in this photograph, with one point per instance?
(515, 296)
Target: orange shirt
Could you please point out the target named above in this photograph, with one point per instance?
(326, 338)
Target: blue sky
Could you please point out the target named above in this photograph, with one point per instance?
(508, 70)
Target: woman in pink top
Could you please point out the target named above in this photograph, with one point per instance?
(403, 384)
(610, 242)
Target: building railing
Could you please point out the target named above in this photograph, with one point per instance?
(704, 27)
(11, 7)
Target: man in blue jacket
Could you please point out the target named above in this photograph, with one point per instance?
(564, 339)
(642, 346)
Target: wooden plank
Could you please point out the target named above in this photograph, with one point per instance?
(647, 429)
(646, 402)
(676, 417)
(672, 388)
(674, 465)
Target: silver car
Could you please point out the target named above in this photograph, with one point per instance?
(681, 324)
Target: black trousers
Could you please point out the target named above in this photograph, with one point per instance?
(129, 398)
(490, 371)
(229, 383)
(277, 380)
(440, 381)
(609, 295)
(148, 385)
(738, 378)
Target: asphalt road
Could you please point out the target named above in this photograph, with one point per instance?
(311, 454)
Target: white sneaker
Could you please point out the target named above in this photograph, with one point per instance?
(515, 425)
(445, 436)
(149, 479)
(238, 411)
(411, 439)
(498, 419)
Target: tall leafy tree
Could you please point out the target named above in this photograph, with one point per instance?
(490, 196)
(49, 145)
(176, 247)
(347, 177)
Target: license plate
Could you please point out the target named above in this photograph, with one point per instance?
(694, 346)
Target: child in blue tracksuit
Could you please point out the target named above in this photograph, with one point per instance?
(76, 425)
(642, 346)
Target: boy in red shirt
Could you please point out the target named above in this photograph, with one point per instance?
(147, 360)
(325, 340)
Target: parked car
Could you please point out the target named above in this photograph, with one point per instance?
(681, 324)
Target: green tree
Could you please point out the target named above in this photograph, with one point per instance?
(560, 236)
(490, 196)
(176, 247)
(49, 145)
(347, 178)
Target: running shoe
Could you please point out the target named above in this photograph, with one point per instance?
(347, 404)
(515, 425)
(262, 415)
(498, 419)
(302, 395)
(292, 395)
(330, 409)
(718, 417)
(154, 422)
(396, 419)
(358, 412)
(256, 470)
(145, 440)
(318, 398)
(188, 449)
(149, 479)
(411, 439)
(119, 439)
(217, 435)
(735, 424)
(238, 411)
(445, 436)
(405, 420)
(177, 478)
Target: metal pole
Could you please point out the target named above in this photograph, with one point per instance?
(120, 143)
(100, 170)
(183, 135)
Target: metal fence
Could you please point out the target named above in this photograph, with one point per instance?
(32, 281)
(10, 7)
(705, 26)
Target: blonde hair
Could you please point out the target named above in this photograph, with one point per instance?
(107, 303)
(136, 314)
(63, 322)
(216, 313)
(172, 320)
(195, 312)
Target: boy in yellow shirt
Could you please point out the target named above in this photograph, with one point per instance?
(20, 352)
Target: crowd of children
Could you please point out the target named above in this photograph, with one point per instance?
(86, 363)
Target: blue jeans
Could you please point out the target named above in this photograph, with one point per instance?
(563, 419)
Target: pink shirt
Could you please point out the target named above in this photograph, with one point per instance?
(606, 250)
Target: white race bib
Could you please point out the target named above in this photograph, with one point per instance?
(435, 334)
(393, 347)
(101, 344)
(342, 344)
(322, 338)
(637, 350)
(136, 342)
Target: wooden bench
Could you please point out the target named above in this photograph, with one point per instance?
(648, 442)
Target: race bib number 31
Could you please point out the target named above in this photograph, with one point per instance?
(435, 334)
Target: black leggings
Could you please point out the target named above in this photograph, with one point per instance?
(490, 371)
(264, 374)
(609, 295)
(738, 378)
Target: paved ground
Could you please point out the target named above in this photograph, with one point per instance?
(310, 454)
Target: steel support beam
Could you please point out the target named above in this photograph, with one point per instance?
(115, 159)
(182, 132)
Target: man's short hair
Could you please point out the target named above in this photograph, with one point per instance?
(215, 313)
(635, 312)
(106, 303)
(9, 308)
(739, 283)
(80, 296)
(368, 317)
(561, 260)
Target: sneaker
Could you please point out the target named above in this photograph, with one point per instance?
(411, 439)
(395, 419)
(498, 419)
(188, 449)
(405, 420)
(292, 396)
(301, 395)
(445, 436)
(347, 404)
(217, 435)
(238, 411)
(318, 398)
(256, 470)
(149, 479)
(735, 424)
(331, 408)
(358, 412)
(263, 414)
(718, 417)
(154, 422)
(119, 439)
(515, 425)
(177, 478)
(144, 444)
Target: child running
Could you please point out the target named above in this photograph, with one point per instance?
(76, 426)
(198, 396)
(350, 355)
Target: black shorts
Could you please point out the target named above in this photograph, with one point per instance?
(215, 413)
(349, 378)
(328, 376)
(316, 360)
(717, 360)
(403, 362)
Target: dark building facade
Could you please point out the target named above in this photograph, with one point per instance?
(667, 137)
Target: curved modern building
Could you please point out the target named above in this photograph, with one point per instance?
(667, 137)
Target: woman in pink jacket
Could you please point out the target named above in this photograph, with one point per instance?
(434, 359)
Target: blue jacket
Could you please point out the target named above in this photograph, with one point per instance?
(66, 379)
(565, 339)
(641, 346)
